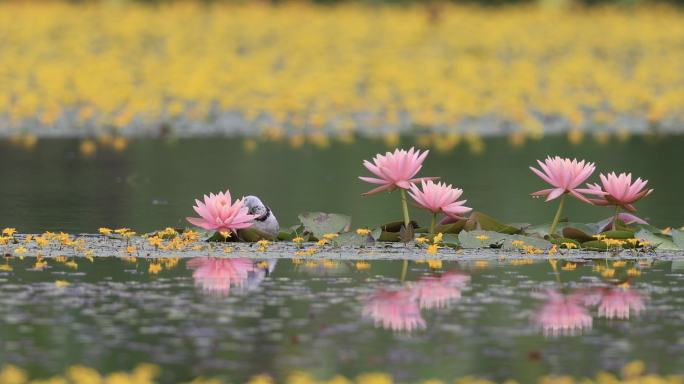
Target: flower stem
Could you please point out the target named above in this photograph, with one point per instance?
(404, 208)
(558, 215)
(432, 223)
(616, 217)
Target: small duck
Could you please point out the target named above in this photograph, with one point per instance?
(265, 225)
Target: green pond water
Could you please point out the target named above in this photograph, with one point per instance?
(236, 318)
(153, 183)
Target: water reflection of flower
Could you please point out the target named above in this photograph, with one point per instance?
(399, 309)
(439, 292)
(563, 314)
(619, 303)
(219, 275)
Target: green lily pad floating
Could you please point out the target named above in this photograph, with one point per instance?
(291, 232)
(619, 235)
(678, 238)
(353, 239)
(480, 221)
(657, 240)
(320, 223)
(491, 239)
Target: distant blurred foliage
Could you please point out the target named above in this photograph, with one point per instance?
(344, 68)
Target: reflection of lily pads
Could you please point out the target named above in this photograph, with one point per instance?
(320, 223)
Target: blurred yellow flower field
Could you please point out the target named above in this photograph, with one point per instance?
(283, 70)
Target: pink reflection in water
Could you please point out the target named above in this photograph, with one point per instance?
(618, 303)
(563, 314)
(439, 292)
(219, 275)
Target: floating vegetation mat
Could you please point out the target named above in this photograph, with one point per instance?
(191, 69)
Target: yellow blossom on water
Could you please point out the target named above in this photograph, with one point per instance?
(130, 249)
(432, 249)
(4, 240)
(228, 249)
(363, 231)
(569, 245)
(154, 268)
(121, 231)
(362, 265)
(482, 237)
(633, 242)
(553, 250)
(298, 240)
(322, 242)
(517, 243)
(613, 242)
(599, 237)
(9, 231)
(42, 241)
(438, 238)
(62, 283)
(71, 264)
(330, 236)
(225, 234)
(434, 264)
(20, 250)
(40, 264)
(422, 240)
(155, 241)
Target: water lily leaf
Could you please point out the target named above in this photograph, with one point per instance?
(491, 239)
(659, 241)
(395, 226)
(388, 236)
(620, 235)
(479, 220)
(455, 227)
(450, 240)
(576, 234)
(376, 233)
(595, 245)
(252, 235)
(678, 238)
(291, 232)
(320, 223)
(217, 237)
(353, 239)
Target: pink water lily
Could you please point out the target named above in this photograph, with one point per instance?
(217, 213)
(619, 190)
(565, 176)
(439, 198)
(395, 170)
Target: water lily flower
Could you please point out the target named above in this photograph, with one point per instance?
(439, 198)
(620, 191)
(217, 213)
(397, 310)
(565, 176)
(396, 170)
(562, 315)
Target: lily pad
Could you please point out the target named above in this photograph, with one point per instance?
(480, 221)
(656, 240)
(620, 235)
(353, 239)
(320, 223)
(678, 238)
(576, 234)
(455, 227)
